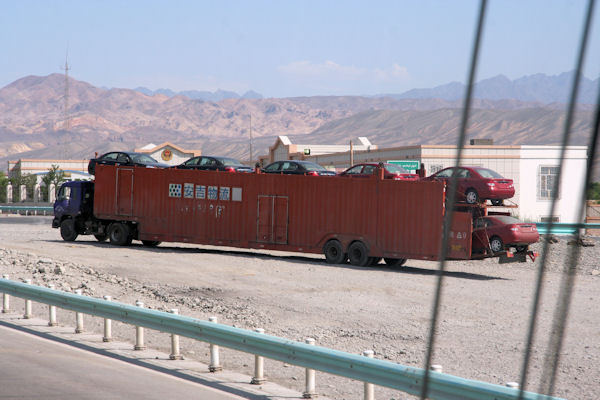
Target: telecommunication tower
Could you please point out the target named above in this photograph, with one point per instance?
(67, 117)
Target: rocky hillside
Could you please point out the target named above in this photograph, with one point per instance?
(32, 121)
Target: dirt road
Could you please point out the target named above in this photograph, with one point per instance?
(482, 329)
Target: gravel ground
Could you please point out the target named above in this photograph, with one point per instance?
(483, 320)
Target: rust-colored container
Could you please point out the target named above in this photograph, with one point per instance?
(394, 219)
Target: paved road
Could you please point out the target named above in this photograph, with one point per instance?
(36, 368)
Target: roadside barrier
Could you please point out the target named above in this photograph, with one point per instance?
(363, 368)
(27, 210)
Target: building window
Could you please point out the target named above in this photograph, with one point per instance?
(549, 219)
(433, 168)
(546, 180)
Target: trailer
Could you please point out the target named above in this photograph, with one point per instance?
(361, 221)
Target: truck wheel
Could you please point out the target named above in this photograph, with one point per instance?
(358, 254)
(68, 231)
(150, 243)
(101, 237)
(118, 234)
(395, 262)
(333, 252)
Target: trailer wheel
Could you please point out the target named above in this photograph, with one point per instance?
(496, 244)
(150, 243)
(358, 254)
(118, 234)
(334, 254)
(101, 237)
(395, 262)
(68, 231)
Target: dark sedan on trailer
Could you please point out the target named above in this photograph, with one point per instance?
(496, 233)
(215, 163)
(477, 184)
(124, 158)
(390, 171)
(297, 167)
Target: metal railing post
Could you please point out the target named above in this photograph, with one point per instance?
(175, 354)
(310, 391)
(78, 315)
(139, 332)
(369, 388)
(259, 365)
(52, 310)
(28, 314)
(107, 325)
(214, 365)
(5, 299)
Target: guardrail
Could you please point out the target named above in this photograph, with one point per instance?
(28, 210)
(362, 368)
(561, 228)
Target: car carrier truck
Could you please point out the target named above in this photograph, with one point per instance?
(361, 221)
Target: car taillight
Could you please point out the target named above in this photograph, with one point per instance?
(229, 169)
(397, 177)
(514, 228)
(491, 184)
(312, 173)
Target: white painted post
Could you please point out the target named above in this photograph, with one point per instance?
(139, 332)
(28, 313)
(52, 310)
(5, 299)
(369, 388)
(259, 365)
(107, 325)
(513, 385)
(9, 194)
(436, 368)
(214, 365)
(78, 315)
(23, 192)
(310, 392)
(175, 354)
(52, 193)
(37, 193)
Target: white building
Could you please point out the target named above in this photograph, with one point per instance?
(168, 153)
(532, 168)
(73, 169)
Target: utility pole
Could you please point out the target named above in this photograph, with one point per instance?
(251, 158)
(67, 117)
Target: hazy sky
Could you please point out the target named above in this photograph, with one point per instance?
(289, 48)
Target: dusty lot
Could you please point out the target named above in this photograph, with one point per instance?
(482, 328)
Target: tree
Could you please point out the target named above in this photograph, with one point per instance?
(54, 176)
(3, 185)
(17, 180)
(593, 192)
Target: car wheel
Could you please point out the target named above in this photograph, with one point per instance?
(101, 237)
(118, 234)
(472, 196)
(358, 254)
(68, 231)
(150, 243)
(333, 252)
(496, 244)
(395, 262)
(497, 202)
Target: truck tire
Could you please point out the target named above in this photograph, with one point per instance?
(68, 231)
(395, 262)
(118, 234)
(150, 243)
(334, 254)
(358, 254)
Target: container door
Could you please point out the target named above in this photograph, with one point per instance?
(272, 220)
(459, 242)
(124, 198)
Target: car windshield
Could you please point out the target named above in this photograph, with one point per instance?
(488, 173)
(229, 161)
(312, 166)
(143, 159)
(396, 169)
(505, 219)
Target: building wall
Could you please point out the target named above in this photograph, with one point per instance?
(27, 166)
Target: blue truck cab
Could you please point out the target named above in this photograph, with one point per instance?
(73, 209)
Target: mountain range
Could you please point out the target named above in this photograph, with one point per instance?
(33, 121)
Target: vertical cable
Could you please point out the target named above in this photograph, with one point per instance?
(451, 200)
(556, 186)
